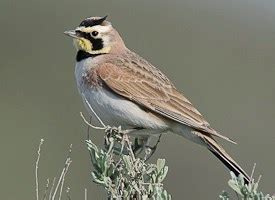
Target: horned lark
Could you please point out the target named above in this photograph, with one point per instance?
(125, 90)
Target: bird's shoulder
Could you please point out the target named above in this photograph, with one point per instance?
(136, 67)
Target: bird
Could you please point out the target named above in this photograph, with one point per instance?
(123, 89)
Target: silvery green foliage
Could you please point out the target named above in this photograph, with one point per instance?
(244, 191)
(122, 174)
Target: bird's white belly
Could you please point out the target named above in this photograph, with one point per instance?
(115, 110)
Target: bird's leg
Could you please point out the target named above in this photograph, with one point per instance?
(150, 150)
(139, 144)
(142, 145)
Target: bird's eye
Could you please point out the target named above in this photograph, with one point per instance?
(94, 33)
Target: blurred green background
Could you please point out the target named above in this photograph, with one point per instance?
(219, 52)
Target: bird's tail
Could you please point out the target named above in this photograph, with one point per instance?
(221, 154)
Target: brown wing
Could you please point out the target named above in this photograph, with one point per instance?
(150, 88)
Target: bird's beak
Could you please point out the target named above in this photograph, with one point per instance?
(71, 33)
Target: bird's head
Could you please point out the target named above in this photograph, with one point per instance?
(95, 35)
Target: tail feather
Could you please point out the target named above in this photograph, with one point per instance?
(221, 154)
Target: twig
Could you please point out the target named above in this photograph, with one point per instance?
(126, 139)
(101, 122)
(52, 187)
(253, 170)
(58, 183)
(46, 189)
(95, 127)
(259, 179)
(64, 171)
(86, 195)
(36, 169)
(69, 161)
(68, 193)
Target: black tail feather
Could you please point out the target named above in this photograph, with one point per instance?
(221, 154)
(231, 168)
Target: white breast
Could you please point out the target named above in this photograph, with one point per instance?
(113, 109)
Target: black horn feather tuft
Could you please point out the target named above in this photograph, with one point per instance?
(89, 22)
